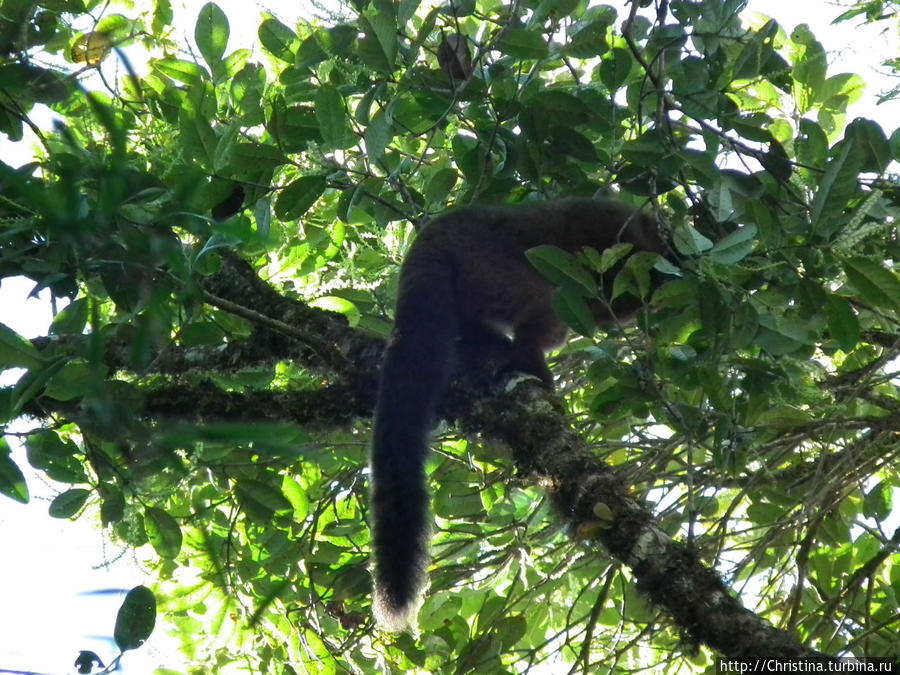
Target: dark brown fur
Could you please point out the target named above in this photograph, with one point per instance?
(467, 274)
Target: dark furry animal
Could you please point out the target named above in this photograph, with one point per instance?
(465, 274)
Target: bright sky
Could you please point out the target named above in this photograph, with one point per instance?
(44, 622)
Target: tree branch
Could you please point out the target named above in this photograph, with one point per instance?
(596, 502)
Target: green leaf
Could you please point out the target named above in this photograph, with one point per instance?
(183, 71)
(439, 186)
(72, 319)
(522, 43)
(873, 144)
(615, 68)
(378, 134)
(296, 495)
(756, 51)
(811, 144)
(574, 309)
(563, 269)
(258, 155)
(878, 501)
(333, 303)
(331, 117)
(198, 138)
(310, 52)
(876, 284)
(783, 335)
(843, 323)
(690, 242)
(277, 39)
(610, 257)
(646, 150)
(223, 154)
(296, 199)
(211, 34)
(744, 324)
(260, 500)
(566, 141)
(735, 246)
(32, 383)
(201, 333)
(162, 16)
(382, 18)
(136, 618)
(12, 481)
(294, 127)
(163, 532)
(112, 506)
(634, 276)
(809, 59)
(16, 351)
(561, 105)
(262, 214)
(589, 41)
(837, 185)
(68, 503)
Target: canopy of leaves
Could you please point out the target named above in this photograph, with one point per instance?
(223, 229)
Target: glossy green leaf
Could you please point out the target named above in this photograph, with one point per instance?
(296, 495)
(837, 185)
(566, 141)
(112, 506)
(876, 284)
(383, 21)
(72, 319)
(68, 503)
(872, 142)
(439, 185)
(32, 383)
(378, 134)
(211, 34)
(734, 247)
(135, 619)
(523, 43)
(187, 72)
(278, 39)
(615, 68)
(809, 59)
(163, 532)
(878, 501)
(689, 241)
(162, 16)
(331, 117)
(634, 277)
(296, 199)
(843, 323)
(12, 481)
(575, 311)
(262, 501)
(16, 351)
(563, 269)
(589, 40)
(811, 144)
(755, 52)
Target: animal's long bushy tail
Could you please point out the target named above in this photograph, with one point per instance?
(415, 372)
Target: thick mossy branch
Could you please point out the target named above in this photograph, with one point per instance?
(597, 503)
